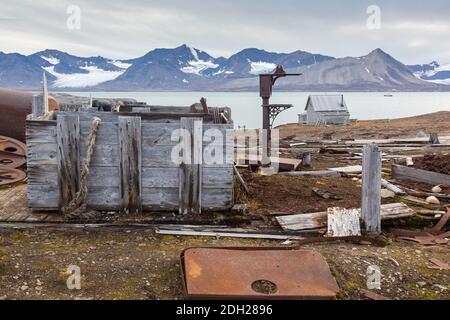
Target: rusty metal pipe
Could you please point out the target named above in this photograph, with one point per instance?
(14, 107)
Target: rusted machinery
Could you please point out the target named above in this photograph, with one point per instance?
(14, 108)
(271, 111)
(12, 156)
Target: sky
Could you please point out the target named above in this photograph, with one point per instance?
(414, 31)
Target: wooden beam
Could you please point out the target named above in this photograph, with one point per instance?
(407, 173)
(190, 170)
(318, 220)
(130, 170)
(321, 173)
(392, 187)
(68, 157)
(371, 189)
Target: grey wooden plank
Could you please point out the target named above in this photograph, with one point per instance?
(162, 117)
(217, 199)
(190, 167)
(157, 178)
(68, 147)
(40, 131)
(42, 154)
(371, 189)
(408, 173)
(130, 164)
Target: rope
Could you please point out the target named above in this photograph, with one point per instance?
(77, 209)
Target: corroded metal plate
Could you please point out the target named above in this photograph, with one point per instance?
(212, 273)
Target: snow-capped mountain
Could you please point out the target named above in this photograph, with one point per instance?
(376, 71)
(69, 71)
(187, 68)
(432, 72)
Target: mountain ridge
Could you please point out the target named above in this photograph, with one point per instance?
(185, 68)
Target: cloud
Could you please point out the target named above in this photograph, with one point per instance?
(127, 29)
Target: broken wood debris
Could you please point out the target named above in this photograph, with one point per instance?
(326, 194)
(397, 190)
(316, 220)
(439, 265)
(343, 222)
(372, 295)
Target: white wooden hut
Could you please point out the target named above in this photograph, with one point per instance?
(325, 109)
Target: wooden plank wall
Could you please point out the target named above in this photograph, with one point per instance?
(160, 175)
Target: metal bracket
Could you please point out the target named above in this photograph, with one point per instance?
(276, 109)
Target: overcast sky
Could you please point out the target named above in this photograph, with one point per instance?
(412, 31)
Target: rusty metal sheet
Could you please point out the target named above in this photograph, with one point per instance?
(214, 273)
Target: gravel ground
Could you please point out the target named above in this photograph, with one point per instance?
(137, 264)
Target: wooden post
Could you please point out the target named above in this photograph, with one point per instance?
(45, 93)
(130, 167)
(371, 189)
(68, 155)
(190, 172)
(38, 107)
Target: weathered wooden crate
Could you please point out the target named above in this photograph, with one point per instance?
(131, 168)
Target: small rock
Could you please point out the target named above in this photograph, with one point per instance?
(421, 283)
(23, 288)
(433, 200)
(3, 297)
(436, 189)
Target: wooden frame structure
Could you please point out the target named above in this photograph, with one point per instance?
(132, 168)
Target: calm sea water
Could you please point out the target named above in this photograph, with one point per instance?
(246, 106)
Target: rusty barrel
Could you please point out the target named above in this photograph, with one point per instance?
(14, 107)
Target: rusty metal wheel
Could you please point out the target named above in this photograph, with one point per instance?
(10, 176)
(12, 153)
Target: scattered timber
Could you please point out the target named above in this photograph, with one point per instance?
(317, 220)
(407, 173)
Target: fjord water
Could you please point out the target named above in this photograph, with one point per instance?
(246, 106)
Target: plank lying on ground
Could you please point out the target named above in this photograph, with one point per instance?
(343, 222)
(434, 178)
(348, 169)
(309, 221)
(322, 173)
(228, 234)
(392, 187)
